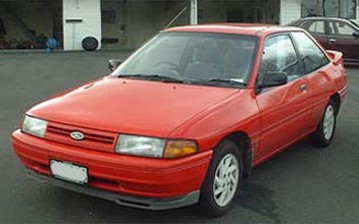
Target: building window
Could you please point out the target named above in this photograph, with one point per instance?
(330, 8)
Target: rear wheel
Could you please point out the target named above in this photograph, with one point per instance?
(324, 134)
(223, 180)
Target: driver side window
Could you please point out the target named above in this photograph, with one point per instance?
(279, 55)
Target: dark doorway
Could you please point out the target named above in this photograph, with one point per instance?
(235, 16)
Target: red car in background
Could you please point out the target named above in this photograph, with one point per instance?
(333, 34)
(187, 116)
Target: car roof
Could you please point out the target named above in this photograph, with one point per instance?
(254, 29)
(324, 18)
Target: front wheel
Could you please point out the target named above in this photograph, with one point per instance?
(222, 181)
(324, 134)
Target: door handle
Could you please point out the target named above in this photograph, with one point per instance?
(332, 41)
(302, 87)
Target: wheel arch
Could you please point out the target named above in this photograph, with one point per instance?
(243, 141)
(336, 98)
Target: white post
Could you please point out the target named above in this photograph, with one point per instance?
(194, 12)
(80, 19)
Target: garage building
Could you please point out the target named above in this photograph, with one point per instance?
(126, 24)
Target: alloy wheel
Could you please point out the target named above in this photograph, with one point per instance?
(226, 180)
(328, 122)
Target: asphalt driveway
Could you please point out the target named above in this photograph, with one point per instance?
(301, 185)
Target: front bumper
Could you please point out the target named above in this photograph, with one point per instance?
(134, 181)
(126, 200)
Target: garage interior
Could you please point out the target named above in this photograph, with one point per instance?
(27, 24)
(127, 24)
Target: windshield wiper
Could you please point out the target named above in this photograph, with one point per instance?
(219, 81)
(152, 77)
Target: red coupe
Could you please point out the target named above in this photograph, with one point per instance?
(187, 116)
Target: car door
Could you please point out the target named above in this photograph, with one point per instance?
(343, 39)
(320, 30)
(317, 72)
(284, 110)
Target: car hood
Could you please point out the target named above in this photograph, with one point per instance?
(131, 106)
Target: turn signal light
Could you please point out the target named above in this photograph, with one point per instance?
(176, 149)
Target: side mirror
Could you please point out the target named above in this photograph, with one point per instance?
(113, 64)
(272, 79)
(356, 34)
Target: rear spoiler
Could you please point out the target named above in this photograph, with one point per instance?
(335, 56)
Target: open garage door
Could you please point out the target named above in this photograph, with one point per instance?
(239, 11)
(126, 24)
(28, 24)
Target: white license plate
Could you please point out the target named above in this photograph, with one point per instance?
(69, 172)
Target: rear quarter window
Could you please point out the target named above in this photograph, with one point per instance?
(317, 27)
(311, 55)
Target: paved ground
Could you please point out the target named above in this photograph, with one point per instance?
(302, 185)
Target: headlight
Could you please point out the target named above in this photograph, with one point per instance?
(141, 146)
(34, 126)
(154, 147)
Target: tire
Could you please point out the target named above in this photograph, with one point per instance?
(218, 204)
(90, 43)
(324, 134)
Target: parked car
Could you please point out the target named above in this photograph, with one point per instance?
(187, 116)
(334, 34)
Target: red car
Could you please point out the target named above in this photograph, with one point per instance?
(187, 116)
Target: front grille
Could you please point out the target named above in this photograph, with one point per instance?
(88, 136)
(93, 139)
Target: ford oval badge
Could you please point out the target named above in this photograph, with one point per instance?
(76, 135)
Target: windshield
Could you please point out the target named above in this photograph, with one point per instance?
(193, 58)
(354, 23)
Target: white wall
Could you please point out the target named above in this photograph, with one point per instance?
(90, 13)
(289, 10)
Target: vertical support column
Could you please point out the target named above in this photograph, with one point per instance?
(289, 10)
(194, 12)
(81, 19)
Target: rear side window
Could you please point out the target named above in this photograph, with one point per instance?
(317, 27)
(312, 56)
